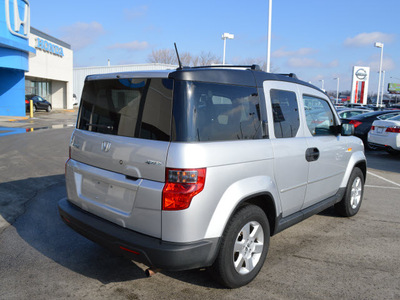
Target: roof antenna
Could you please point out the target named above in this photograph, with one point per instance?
(179, 60)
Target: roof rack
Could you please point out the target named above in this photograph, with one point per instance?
(252, 67)
(292, 75)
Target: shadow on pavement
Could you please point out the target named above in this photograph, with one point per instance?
(42, 228)
(381, 160)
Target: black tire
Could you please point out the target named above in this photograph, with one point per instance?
(34, 108)
(249, 218)
(48, 109)
(351, 202)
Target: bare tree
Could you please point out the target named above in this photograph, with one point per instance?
(186, 58)
(206, 59)
(163, 56)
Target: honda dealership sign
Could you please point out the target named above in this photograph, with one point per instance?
(359, 85)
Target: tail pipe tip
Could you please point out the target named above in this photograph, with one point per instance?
(151, 271)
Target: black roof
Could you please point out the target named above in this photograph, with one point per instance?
(225, 74)
(236, 75)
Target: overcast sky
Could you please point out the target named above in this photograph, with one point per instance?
(316, 39)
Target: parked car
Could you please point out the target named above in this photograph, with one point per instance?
(362, 123)
(348, 113)
(386, 134)
(38, 103)
(355, 105)
(198, 167)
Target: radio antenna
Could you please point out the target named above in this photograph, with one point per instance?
(177, 54)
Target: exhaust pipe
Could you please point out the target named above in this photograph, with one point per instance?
(151, 271)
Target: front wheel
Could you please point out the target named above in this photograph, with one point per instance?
(243, 249)
(351, 202)
(48, 109)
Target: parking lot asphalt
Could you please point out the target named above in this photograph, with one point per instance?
(324, 257)
(57, 118)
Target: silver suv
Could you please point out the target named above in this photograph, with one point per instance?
(198, 167)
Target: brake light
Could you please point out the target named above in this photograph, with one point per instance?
(69, 157)
(372, 127)
(394, 129)
(181, 185)
(26, 101)
(355, 123)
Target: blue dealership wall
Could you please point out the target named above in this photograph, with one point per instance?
(14, 53)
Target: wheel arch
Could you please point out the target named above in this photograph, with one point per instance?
(266, 202)
(357, 160)
(260, 191)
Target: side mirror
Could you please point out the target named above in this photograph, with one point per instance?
(347, 129)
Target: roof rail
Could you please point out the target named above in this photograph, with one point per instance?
(252, 67)
(292, 75)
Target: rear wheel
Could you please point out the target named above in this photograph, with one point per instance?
(34, 108)
(351, 202)
(244, 247)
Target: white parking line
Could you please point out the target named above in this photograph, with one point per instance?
(382, 187)
(383, 178)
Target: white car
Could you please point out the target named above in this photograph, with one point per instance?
(386, 134)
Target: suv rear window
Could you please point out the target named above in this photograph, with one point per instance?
(139, 108)
(215, 112)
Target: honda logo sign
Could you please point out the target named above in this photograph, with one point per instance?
(13, 18)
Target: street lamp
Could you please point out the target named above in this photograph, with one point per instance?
(337, 89)
(379, 45)
(224, 37)
(269, 36)
(383, 85)
(322, 85)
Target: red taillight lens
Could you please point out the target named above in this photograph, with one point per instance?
(395, 129)
(355, 123)
(181, 185)
(26, 101)
(372, 127)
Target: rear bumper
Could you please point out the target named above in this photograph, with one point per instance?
(149, 250)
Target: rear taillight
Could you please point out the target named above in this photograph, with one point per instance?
(355, 123)
(26, 101)
(69, 157)
(372, 127)
(181, 185)
(395, 129)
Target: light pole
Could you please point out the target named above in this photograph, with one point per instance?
(379, 45)
(383, 85)
(322, 85)
(269, 36)
(224, 37)
(337, 89)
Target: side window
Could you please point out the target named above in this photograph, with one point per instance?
(319, 115)
(215, 112)
(286, 113)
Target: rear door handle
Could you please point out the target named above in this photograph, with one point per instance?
(312, 154)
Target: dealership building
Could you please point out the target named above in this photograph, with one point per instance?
(31, 62)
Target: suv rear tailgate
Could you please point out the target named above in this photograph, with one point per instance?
(118, 178)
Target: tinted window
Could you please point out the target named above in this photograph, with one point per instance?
(388, 116)
(215, 112)
(138, 108)
(286, 113)
(319, 115)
